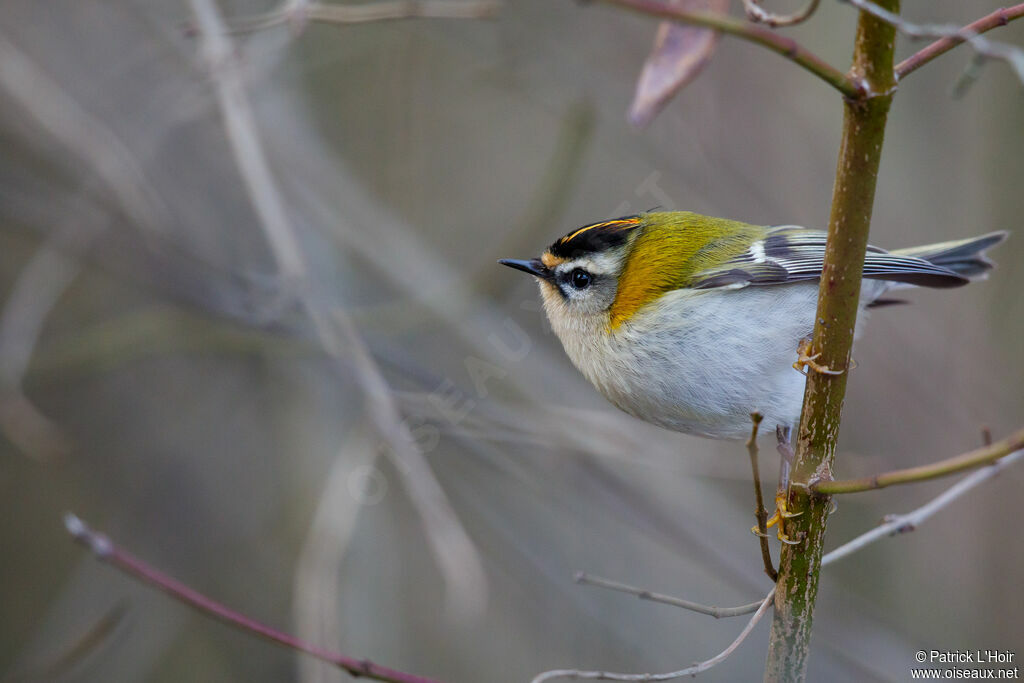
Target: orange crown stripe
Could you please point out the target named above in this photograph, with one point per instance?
(621, 222)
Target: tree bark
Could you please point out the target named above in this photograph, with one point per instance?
(852, 199)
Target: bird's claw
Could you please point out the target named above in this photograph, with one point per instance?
(782, 513)
(805, 359)
(787, 539)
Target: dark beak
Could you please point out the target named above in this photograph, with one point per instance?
(533, 267)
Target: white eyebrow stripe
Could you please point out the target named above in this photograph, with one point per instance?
(596, 264)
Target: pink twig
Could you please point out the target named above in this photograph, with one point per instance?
(105, 549)
(1001, 17)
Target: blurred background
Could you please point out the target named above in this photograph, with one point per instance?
(331, 409)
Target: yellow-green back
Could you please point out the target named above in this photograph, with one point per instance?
(669, 249)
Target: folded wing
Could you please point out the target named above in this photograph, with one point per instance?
(790, 253)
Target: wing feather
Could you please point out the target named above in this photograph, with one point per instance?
(790, 253)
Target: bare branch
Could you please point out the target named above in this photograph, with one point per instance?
(643, 594)
(759, 512)
(75, 651)
(34, 294)
(453, 550)
(39, 285)
(246, 144)
(755, 13)
(787, 47)
(1001, 17)
(976, 458)
(697, 668)
(404, 9)
(895, 524)
(86, 137)
(316, 587)
(108, 551)
(949, 36)
(299, 13)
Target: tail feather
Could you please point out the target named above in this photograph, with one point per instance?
(964, 257)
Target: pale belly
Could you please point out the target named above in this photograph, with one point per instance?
(701, 361)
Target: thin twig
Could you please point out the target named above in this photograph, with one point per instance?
(976, 458)
(689, 671)
(74, 652)
(453, 550)
(404, 9)
(316, 586)
(895, 524)
(983, 47)
(106, 550)
(759, 512)
(299, 13)
(755, 13)
(86, 138)
(787, 47)
(1001, 17)
(643, 594)
(246, 143)
(30, 300)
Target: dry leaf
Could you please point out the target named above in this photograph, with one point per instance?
(678, 55)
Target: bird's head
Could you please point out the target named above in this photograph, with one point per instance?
(580, 273)
(600, 275)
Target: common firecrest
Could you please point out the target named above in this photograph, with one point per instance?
(693, 323)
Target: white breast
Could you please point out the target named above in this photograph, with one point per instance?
(700, 361)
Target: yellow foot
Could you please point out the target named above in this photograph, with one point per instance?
(781, 513)
(806, 360)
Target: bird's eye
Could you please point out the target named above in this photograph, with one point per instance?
(580, 278)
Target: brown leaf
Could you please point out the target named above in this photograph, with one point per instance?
(678, 55)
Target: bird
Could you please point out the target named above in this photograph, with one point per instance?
(692, 322)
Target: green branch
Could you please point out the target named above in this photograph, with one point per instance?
(943, 468)
(838, 299)
(723, 23)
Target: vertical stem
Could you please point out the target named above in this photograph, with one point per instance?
(760, 514)
(838, 298)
